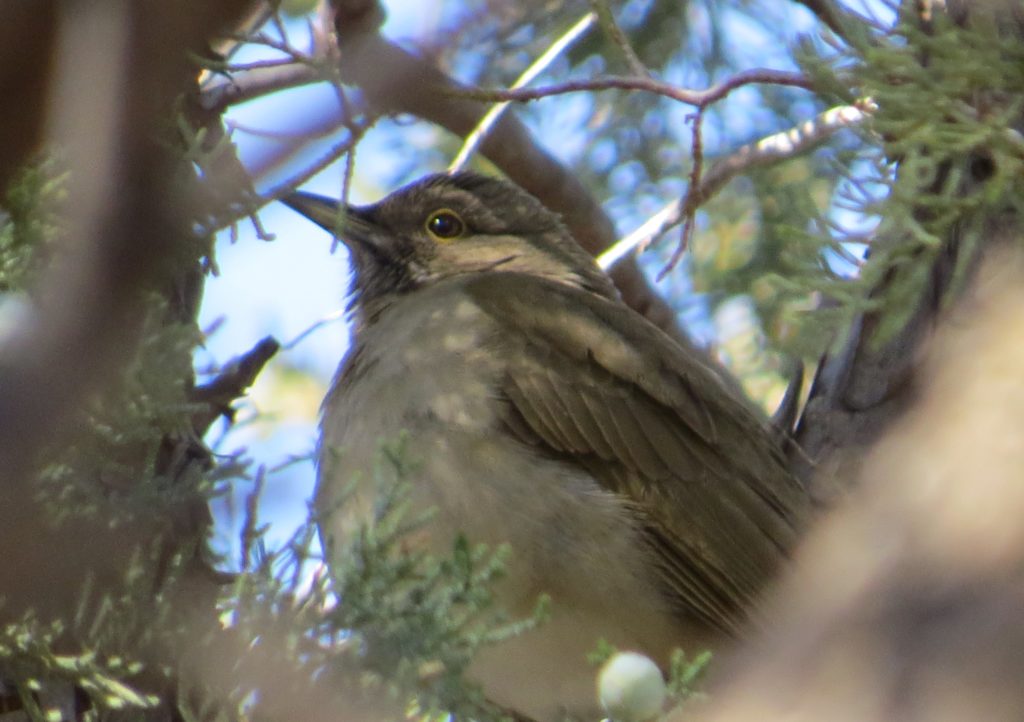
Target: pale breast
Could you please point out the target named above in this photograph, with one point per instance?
(429, 368)
(426, 360)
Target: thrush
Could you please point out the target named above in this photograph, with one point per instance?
(632, 486)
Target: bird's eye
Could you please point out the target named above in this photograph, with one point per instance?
(445, 224)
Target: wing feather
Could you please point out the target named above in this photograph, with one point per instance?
(599, 386)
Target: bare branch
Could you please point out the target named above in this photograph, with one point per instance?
(907, 602)
(697, 98)
(255, 80)
(693, 197)
(767, 151)
(338, 150)
(220, 94)
(578, 29)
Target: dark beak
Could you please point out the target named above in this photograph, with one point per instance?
(350, 224)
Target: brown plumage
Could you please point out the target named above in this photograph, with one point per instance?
(651, 504)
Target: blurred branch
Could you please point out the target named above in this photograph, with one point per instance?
(767, 151)
(243, 86)
(28, 37)
(908, 603)
(218, 92)
(274, 161)
(108, 83)
(830, 14)
(317, 64)
(115, 77)
(611, 28)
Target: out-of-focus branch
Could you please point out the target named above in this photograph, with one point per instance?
(113, 77)
(831, 15)
(28, 35)
(611, 28)
(248, 85)
(125, 217)
(908, 604)
(767, 151)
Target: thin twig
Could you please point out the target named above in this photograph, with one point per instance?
(275, 20)
(697, 98)
(257, 65)
(237, 375)
(221, 93)
(579, 28)
(766, 151)
(332, 317)
(346, 187)
(284, 46)
(250, 533)
(226, 47)
(336, 151)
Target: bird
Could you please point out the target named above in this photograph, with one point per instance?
(633, 487)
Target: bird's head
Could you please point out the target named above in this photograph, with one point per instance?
(447, 225)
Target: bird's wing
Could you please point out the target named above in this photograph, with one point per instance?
(592, 382)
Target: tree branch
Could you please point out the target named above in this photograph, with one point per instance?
(907, 602)
(767, 151)
(696, 98)
(537, 67)
(243, 86)
(124, 221)
(237, 376)
(830, 14)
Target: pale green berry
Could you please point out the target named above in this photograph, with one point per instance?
(631, 688)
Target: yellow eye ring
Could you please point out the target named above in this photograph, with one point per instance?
(445, 224)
